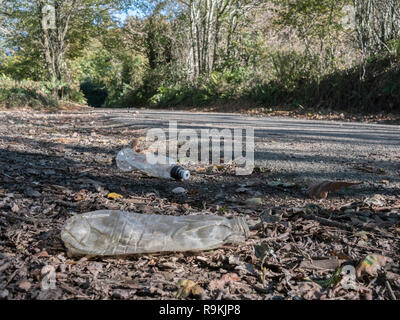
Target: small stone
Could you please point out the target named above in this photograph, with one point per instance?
(255, 193)
(179, 190)
(252, 202)
(242, 190)
(32, 193)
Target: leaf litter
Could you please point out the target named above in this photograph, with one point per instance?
(52, 167)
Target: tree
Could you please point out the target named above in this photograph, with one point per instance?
(212, 22)
(377, 24)
(58, 29)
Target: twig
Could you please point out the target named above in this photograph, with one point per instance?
(346, 226)
(6, 175)
(389, 289)
(304, 254)
(71, 204)
(330, 223)
(31, 220)
(11, 277)
(5, 266)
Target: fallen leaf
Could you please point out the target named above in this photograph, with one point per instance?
(135, 144)
(51, 294)
(340, 255)
(309, 291)
(371, 264)
(81, 195)
(320, 190)
(376, 200)
(188, 287)
(114, 196)
(63, 140)
(95, 268)
(42, 254)
(193, 192)
(362, 234)
(24, 285)
(226, 279)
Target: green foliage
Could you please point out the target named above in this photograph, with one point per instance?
(394, 46)
(106, 76)
(35, 94)
(281, 52)
(22, 66)
(25, 94)
(341, 90)
(311, 18)
(293, 69)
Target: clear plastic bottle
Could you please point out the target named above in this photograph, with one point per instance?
(128, 159)
(114, 232)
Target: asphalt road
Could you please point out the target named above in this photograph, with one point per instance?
(293, 148)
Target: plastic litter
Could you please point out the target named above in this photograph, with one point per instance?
(115, 232)
(128, 159)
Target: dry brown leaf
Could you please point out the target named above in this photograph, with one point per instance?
(135, 145)
(320, 190)
(42, 254)
(309, 290)
(81, 195)
(24, 285)
(221, 283)
(63, 140)
(193, 192)
(188, 287)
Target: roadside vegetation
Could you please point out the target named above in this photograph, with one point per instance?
(341, 56)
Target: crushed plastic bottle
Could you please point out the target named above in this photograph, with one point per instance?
(128, 159)
(115, 232)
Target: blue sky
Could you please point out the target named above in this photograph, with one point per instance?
(123, 15)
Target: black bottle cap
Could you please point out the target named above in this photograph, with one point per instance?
(179, 173)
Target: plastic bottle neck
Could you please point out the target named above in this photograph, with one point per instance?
(179, 173)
